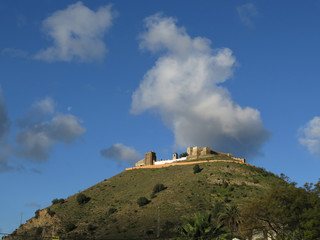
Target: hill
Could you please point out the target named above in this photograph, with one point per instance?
(109, 209)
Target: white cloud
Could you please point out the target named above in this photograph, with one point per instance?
(310, 135)
(38, 137)
(121, 153)
(184, 87)
(77, 33)
(246, 13)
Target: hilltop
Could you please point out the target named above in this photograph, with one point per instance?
(110, 210)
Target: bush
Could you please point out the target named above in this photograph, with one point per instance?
(152, 195)
(111, 211)
(56, 201)
(181, 155)
(158, 188)
(91, 228)
(142, 201)
(82, 199)
(39, 231)
(37, 213)
(69, 227)
(196, 169)
(50, 212)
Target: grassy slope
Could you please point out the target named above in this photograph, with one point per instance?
(186, 194)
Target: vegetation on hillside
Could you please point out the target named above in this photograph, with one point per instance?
(215, 203)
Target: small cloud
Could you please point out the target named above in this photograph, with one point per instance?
(21, 20)
(69, 108)
(38, 136)
(4, 166)
(121, 153)
(246, 13)
(310, 136)
(12, 52)
(37, 112)
(77, 33)
(33, 204)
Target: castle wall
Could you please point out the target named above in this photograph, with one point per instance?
(170, 161)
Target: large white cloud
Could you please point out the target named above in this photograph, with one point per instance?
(310, 135)
(38, 136)
(184, 87)
(77, 33)
(121, 153)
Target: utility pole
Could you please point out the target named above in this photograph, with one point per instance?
(158, 230)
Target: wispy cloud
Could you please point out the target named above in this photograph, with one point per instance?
(184, 87)
(38, 136)
(121, 153)
(310, 136)
(13, 52)
(247, 12)
(33, 204)
(77, 33)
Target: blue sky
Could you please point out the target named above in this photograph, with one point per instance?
(88, 87)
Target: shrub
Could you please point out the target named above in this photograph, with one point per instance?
(91, 228)
(255, 181)
(50, 212)
(196, 169)
(158, 188)
(82, 199)
(225, 185)
(69, 227)
(152, 195)
(142, 201)
(111, 211)
(181, 155)
(37, 213)
(56, 201)
(39, 231)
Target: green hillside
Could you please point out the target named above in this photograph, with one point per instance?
(111, 211)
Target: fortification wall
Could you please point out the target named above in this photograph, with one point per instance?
(187, 163)
(169, 161)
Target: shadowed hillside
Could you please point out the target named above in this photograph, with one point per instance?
(109, 209)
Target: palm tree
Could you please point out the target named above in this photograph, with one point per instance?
(200, 227)
(230, 218)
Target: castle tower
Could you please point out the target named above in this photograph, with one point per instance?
(175, 156)
(150, 158)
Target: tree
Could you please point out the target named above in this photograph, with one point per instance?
(158, 187)
(82, 199)
(196, 169)
(142, 201)
(230, 218)
(201, 226)
(285, 213)
(181, 155)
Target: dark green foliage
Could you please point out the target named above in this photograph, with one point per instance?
(82, 199)
(56, 201)
(91, 228)
(181, 155)
(196, 169)
(142, 201)
(111, 211)
(39, 231)
(201, 226)
(290, 212)
(255, 181)
(225, 185)
(50, 212)
(69, 227)
(158, 188)
(37, 213)
(152, 195)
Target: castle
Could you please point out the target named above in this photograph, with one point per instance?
(194, 153)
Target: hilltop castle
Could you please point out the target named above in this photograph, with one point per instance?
(194, 153)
